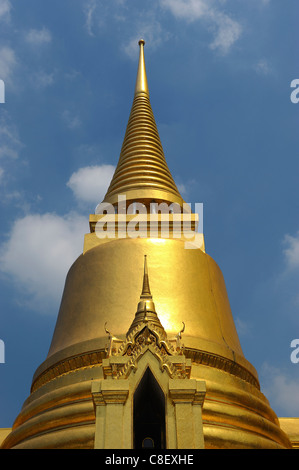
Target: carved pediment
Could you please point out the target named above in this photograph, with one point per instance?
(146, 333)
(146, 337)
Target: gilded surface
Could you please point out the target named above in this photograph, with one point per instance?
(82, 393)
(142, 172)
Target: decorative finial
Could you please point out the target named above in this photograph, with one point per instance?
(146, 311)
(146, 292)
(141, 81)
(178, 339)
(114, 343)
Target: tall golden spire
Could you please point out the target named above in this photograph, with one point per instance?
(142, 173)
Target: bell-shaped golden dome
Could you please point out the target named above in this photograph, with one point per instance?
(86, 372)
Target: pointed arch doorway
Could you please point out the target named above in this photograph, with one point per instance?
(149, 414)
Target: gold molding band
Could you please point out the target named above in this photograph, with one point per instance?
(71, 364)
(95, 358)
(222, 363)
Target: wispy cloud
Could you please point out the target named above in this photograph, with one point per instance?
(38, 37)
(152, 25)
(5, 8)
(8, 63)
(226, 30)
(285, 279)
(182, 188)
(151, 30)
(10, 143)
(41, 79)
(291, 250)
(263, 67)
(71, 120)
(281, 389)
(243, 327)
(98, 11)
(89, 10)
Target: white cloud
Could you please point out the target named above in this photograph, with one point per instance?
(5, 7)
(37, 37)
(291, 250)
(8, 63)
(281, 390)
(41, 247)
(190, 10)
(225, 29)
(100, 14)
(38, 254)
(89, 184)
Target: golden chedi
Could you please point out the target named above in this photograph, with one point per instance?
(145, 352)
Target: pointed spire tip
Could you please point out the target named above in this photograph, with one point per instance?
(141, 81)
(146, 292)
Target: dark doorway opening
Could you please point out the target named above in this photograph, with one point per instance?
(149, 414)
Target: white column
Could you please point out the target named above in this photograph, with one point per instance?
(109, 398)
(187, 396)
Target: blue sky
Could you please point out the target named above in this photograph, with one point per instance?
(219, 74)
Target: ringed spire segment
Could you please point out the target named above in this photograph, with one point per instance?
(142, 173)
